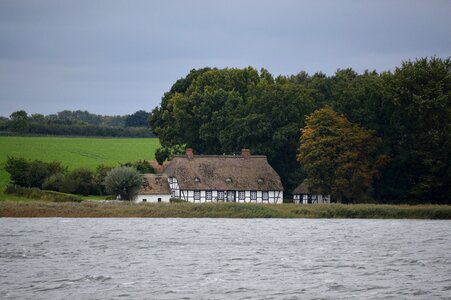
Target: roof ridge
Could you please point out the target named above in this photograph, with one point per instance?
(219, 156)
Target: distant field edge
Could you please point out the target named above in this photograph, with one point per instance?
(92, 209)
(10, 134)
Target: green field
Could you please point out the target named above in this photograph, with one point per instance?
(75, 152)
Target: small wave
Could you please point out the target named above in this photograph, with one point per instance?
(420, 292)
(61, 286)
(100, 278)
(336, 287)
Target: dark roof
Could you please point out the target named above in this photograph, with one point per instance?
(155, 184)
(224, 172)
(304, 188)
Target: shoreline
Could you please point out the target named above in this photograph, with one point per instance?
(93, 209)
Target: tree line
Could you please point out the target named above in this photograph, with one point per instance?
(396, 147)
(123, 180)
(77, 123)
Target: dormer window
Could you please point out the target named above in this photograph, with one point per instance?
(228, 180)
(260, 180)
(196, 179)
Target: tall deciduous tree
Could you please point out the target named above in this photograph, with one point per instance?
(19, 121)
(222, 111)
(339, 157)
(138, 119)
(419, 114)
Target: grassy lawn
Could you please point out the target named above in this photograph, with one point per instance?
(76, 152)
(5, 197)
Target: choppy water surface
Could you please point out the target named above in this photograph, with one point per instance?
(224, 259)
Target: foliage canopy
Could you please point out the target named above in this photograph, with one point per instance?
(218, 111)
(124, 182)
(339, 157)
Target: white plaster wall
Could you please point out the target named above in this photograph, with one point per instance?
(152, 198)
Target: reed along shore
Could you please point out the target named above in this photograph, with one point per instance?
(93, 209)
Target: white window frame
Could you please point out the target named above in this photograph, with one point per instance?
(265, 195)
(253, 195)
(241, 195)
(196, 195)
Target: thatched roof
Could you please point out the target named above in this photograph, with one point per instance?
(224, 172)
(155, 184)
(304, 188)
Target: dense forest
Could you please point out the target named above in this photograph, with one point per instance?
(77, 123)
(405, 115)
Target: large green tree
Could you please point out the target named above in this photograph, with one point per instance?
(19, 121)
(222, 111)
(339, 157)
(418, 131)
(138, 119)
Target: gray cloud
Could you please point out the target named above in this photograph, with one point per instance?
(115, 57)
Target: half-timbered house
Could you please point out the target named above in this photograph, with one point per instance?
(241, 178)
(303, 194)
(154, 188)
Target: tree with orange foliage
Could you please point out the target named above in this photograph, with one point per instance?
(339, 157)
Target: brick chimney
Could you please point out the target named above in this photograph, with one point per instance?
(189, 153)
(245, 153)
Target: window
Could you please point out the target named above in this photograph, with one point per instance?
(265, 196)
(241, 195)
(170, 179)
(253, 195)
(196, 195)
(208, 195)
(260, 180)
(173, 194)
(228, 180)
(196, 179)
(144, 200)
(221, 195)
(159, 200)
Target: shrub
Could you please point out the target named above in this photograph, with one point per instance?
(33, 173)
(79, 181)
(99, 178)
(177, 200)
(142, 166)
(54, 182)
(83, 182)
(124, 182)
(35, 193)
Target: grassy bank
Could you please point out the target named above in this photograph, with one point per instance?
(75, 152)
(89, 209)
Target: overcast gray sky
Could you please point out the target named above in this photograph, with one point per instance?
(116, 57)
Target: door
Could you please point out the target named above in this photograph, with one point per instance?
(231, 196)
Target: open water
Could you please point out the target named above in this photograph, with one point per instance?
(58, 258)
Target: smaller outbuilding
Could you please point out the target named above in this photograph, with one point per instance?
(303, 194)
(154, 189)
